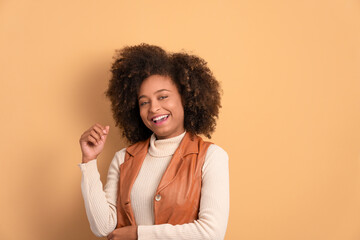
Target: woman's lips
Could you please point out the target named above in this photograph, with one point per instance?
(160, 119)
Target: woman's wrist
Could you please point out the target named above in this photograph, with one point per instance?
(87, 159)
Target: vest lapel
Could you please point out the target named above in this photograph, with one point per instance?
(129, 170)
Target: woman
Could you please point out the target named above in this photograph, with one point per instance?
(169, 184)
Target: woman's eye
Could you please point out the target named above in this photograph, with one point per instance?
(143, 103)
(162, 97)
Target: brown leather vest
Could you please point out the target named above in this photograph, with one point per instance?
(177, 197)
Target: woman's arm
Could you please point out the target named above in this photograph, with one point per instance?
(100, 204)
(214, 205)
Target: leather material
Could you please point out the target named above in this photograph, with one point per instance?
(179, 188)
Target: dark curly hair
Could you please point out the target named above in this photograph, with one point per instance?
(199, 90)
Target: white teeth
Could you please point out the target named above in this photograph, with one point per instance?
(159, 118)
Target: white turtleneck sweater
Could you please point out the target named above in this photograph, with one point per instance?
(100, 203)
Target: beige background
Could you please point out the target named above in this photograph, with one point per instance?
(290, 121)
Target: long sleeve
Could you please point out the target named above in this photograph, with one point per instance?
(214, 205)
(100, 204)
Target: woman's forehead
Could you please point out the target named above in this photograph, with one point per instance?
(155, 84)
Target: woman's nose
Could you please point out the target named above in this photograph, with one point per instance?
(155, 106)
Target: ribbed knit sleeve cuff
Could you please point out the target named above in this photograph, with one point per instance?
(145, 232)
(89, 170)
(88, 165)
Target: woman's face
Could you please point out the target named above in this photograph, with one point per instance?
(161, 108)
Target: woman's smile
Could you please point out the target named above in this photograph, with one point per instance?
(158, 120)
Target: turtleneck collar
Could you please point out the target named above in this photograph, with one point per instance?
(164, 147)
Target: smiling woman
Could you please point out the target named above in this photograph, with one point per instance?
(169, 184)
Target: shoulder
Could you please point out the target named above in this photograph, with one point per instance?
(216, 151)
(215, 156)
(216, 163)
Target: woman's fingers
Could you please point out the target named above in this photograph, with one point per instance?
(95, 134)
(88, 137)
(106, 130)
(101, 131)
(92, 140)
(111, 235)
(98, 132)
(101, 128)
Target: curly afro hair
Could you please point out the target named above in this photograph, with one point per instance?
(199, 90)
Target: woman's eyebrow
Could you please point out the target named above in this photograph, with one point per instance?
(161, 90)
(157, 91)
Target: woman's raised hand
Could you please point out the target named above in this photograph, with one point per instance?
(92, 142)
